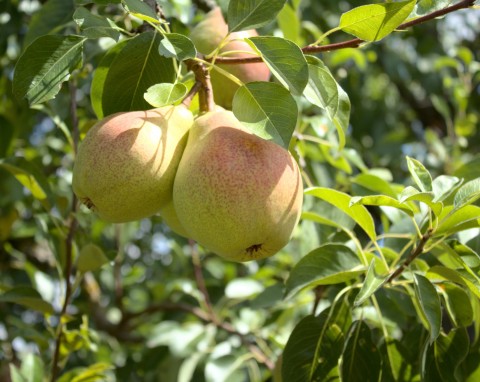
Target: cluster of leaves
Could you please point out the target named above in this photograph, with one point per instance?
(381, 278)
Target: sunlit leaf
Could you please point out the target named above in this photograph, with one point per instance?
(249, 14)
(165, 94)
(467, 194)
(373, 281)
(178, 46)
(382, 201)
(141, 10)
(420, 174)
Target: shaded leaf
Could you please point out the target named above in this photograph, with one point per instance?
(91, 258)
(165, 94)
(94, 26)
(268, 110)
(372, 281)
(457, 302)
(285, 60)
(249, 14)
(375, 21)
(326, 265)
(141, 10)
(178, 46)
(28, 297)
(450, 350)
(429, 303)
(44, 65)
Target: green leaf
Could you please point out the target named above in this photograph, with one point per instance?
(135, 68)
(268, 110)
(290, 24)
(243, 288)
(425, 7)
(33, 368)
(452, 220)
(375, 21)
(27, 297)
(420, 175)
(326, 265)
(372, 281)
(250, 14)
(94, 26)
(457, 302)
(360, 359)
(91, 258)
(382, 201)
(342, 201)
(443, 186)
(44, 65)
(323, 91)
(178, 46)
(93, 373)
(467, 194)
(141, 10)
(100, 76)
(450, 350)
(285, 60)
(469, 170)
(412, 194)
(52, 16)
(429, 303)
(375, 183)
(165, 94)
(440, 273)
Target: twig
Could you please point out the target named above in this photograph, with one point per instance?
(205, 93)
(417, 251)
(354, 43)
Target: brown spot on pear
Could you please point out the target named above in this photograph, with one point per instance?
(207, 35)
(126, 164)
(236, 194)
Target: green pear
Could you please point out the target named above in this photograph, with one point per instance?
(207, 36)
(169, 216)
(126, 164)
(236, 194)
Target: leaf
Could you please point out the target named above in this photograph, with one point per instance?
(420, 175)
(33, 368)
(250, 14)
(326, 265)
(450, 350)
(342, 201)
(28, 297)
(375, 21)
(372, 282)
(457, 302)
(452, 220)
(467, 194)
(268, 110)
(412, 194)
(52, 15)
(141, 10)
(424, 7)
(135, 68)
(94, 26)
(429, 303)
(178, 46)
(285, 60)
(438, 272)
(165, 94)
(290, 24)
(44, 65)
(91, 258)
(360, 359)
(243, 288)
(443, 186)
(323, 91)
(376, 184)
(382, 201)
(313, 348)
(100, 76)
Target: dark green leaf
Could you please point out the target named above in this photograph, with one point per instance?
(285, 60)
(141, 10)
(44, 65)
(361, 360)
(375, 21)
(457, 302)
(94, 26)
(328, 264)
(268, 110)
(249, 14)
(91, 258)
(429, 303)
(28, 297)
(420, 175)
(450, 350)
(165, 94)
(178, 46)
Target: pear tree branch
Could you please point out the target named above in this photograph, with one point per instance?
(356, 42)
(202, 85)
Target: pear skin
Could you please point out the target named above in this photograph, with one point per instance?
(208, 35)
(126, 164)
(234, 193)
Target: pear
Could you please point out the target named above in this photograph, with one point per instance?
(207, 35)
(169, 216)
(126, 164)
(236, 194)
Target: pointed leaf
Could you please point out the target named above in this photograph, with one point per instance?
(412, 194)
(165, 94)
(467, 194)
(443, 186)
(328, 264)
(94, 26)
(420, 174)
(135, 68)
(249, 14)
(342, 201)
(44, 65)
(458, 304)
(381, 200)
(178, 46)
(360, 360)
(375, 21)
(141, 10)
(372, 282)
(268, 110)
(450, 350)
(429, 303)
(452, 220)
(285, 60)
(28, 297)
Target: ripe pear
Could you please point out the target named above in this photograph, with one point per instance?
(169, 216)
(207, 35)
(125, 167)
(236, 194)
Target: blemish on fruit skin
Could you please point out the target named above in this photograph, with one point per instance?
(88, 203)
(253, 249)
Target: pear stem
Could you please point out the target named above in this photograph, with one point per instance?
(205, 93)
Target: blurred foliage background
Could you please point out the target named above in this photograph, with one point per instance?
(144, 316)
